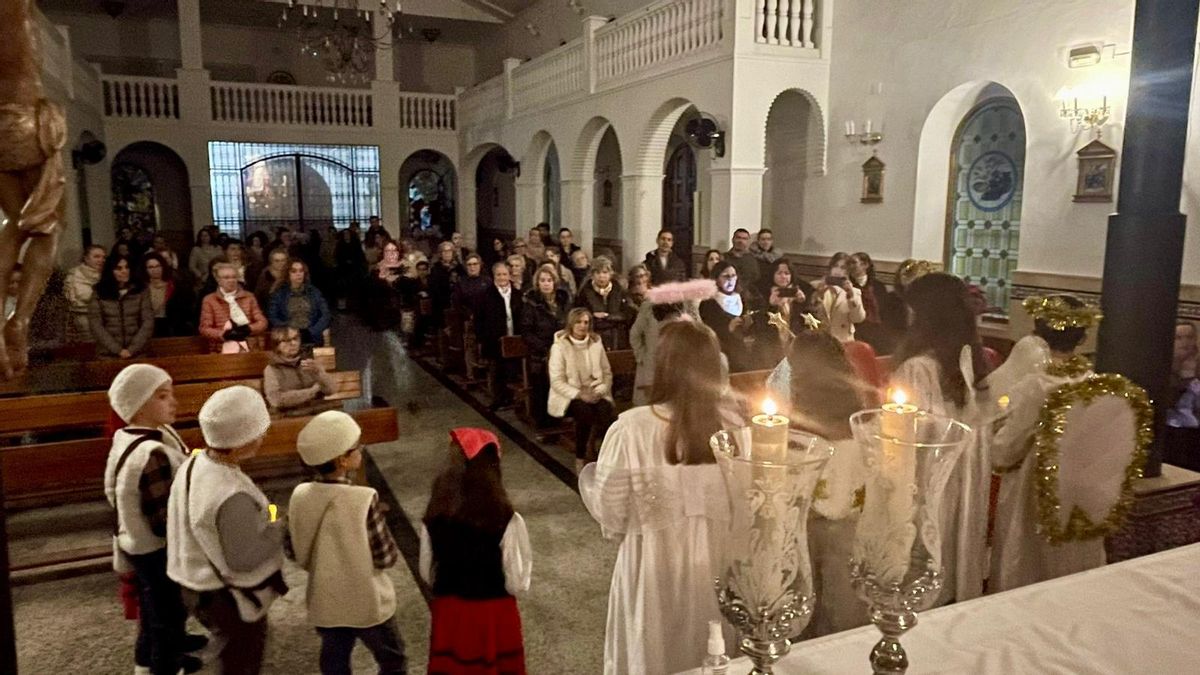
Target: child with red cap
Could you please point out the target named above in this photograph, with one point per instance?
(475, 553)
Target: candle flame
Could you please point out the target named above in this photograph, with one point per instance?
(769, 407)
(899, 397)
(273, 512)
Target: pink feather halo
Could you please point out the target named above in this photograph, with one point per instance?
(682, 291)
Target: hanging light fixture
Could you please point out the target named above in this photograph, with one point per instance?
(342, 36)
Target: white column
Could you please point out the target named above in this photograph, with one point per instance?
(385, 68)
(465, 211)
(641, 214)
(579, 212)
(736, 202)
(189, 35)
(590, 60)
(510, 64)
(530, 208)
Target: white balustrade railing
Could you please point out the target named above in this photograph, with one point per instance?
(661, 32)
(150, 98)
(435, 112)
(482, 103)
(284, 104)
(785, 22)
(549, 78)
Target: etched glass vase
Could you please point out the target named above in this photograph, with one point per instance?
(897, 564)
(766, 590)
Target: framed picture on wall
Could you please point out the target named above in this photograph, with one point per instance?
(1097, 171)
(872, 185)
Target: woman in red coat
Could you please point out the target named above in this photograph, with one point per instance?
(230, 315)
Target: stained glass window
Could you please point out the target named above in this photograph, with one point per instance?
(257, 186)
(986, 196)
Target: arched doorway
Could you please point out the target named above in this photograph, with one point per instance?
(495, 195)
(429, 187)
(552, 189)
(151, 191)
(679, 203)
(606, 194)
(987, 173)
(793, 139)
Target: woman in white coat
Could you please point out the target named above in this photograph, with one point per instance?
(581, 382)
(940, 366)
(838, 304)
(656, 488)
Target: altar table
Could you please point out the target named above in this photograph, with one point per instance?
(1137, 616)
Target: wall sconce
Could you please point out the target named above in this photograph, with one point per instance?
(868, 136)
(1085, 106)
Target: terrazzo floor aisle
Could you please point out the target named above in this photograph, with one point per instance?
(75, 626)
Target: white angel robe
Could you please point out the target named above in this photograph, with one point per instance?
(1028, 356)
(672, 521)
(965, 500)
(1020, 555)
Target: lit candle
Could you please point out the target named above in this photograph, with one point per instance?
(768, 434)
(898, 469)
(868, 126)
(272, 512)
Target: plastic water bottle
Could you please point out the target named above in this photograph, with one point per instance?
(716, 663)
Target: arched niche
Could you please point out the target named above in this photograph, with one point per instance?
(150, 188)
(495, 194)
(793, 150)
(429, 193)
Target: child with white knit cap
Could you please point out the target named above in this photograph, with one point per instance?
(137, 481)
(339, 536)
(226, 550)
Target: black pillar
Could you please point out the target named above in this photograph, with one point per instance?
(1143, 258)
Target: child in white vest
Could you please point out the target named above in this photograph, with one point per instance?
(339, 536)
(226, 550)
(137, 480)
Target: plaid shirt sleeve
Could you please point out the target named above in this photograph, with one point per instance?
(384, 552)
(154, 485)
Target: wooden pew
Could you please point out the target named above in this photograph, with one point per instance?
(514, 347)
(39, 414)
(97, 375)
(450, 340)
(54, 473)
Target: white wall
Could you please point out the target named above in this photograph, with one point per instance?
(556, 23)
(787, 170)
(919, 52)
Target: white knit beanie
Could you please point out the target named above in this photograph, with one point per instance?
(327, 437)
(133, 386)
(233, 417)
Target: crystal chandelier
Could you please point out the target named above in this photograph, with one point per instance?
(342, 36)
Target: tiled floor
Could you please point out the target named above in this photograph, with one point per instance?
(74, 625)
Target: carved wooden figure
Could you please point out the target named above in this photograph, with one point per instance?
(32, 133)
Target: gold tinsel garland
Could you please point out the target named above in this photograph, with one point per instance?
(1073, 367)
(1052, 424)
(1056, 313)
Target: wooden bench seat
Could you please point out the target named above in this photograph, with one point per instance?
(39, 414)
(98, 375)
(49, 473)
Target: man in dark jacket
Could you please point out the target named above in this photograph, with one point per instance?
(662, 262)
(499, 315)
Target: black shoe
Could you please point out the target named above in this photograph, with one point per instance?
(190, 664)
(194, 643)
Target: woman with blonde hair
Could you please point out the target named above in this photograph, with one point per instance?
(657, 489)
(581, 382)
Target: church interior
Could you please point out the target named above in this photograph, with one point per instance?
(815, 335)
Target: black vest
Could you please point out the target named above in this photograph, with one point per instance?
(467, 561)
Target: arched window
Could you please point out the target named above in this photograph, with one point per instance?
(984, 219)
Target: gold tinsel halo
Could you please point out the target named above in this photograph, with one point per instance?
(1054, 311)
(1052, 424)
(1073, 367)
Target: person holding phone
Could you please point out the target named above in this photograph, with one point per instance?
(728, 315)
(293, 380)
(838, 303)
(791, 298)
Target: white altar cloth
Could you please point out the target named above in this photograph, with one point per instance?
(1137, 616)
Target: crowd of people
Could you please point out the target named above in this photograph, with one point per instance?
(648, 476)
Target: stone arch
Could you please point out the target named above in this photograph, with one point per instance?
(933, 169)
(583, 162)
(656, 137)
(793, 150)
(815, 138)
(172, 197)
(471, 217)
(447, 182)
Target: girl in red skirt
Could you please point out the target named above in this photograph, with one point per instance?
(475, 553)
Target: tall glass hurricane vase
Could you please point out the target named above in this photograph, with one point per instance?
(766, 590)
(898, 552)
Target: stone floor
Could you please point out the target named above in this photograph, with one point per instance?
(74, 625)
